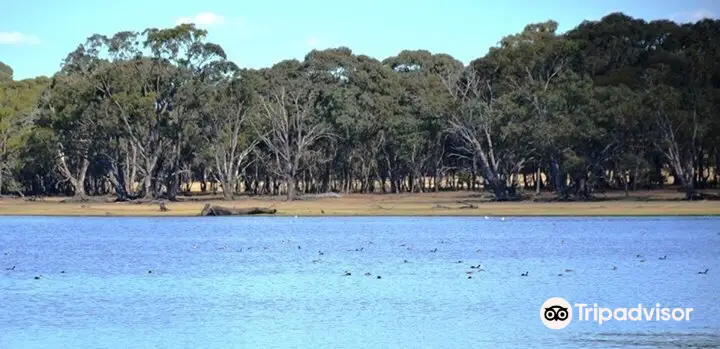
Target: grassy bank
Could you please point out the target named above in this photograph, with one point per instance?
(652, 203)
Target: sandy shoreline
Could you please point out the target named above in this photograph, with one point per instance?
(654, 203)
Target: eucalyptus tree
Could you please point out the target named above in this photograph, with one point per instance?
(18, 110)
(70, 109)
(289, 124)
(375, 91)
(418, 129)
(485, 125)
(225, 127)
(330, 72)
(618, 100)
(146, 81)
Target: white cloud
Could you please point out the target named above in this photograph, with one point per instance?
(202, 19)
(313, 42)
(17, 38)
(701, 14)
(692, 16)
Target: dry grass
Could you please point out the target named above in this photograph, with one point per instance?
(665, 202)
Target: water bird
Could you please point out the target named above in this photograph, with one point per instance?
(638, 256)
(316, 260)
(13, 268)
(299, 247)
(62, 272)
(477, 251)
(560, 274)
(149, 271)
(524, 274)
(459, 262)
(359, 249)
(663, 258)
(486, 217)
(614, 268)
(469, 277)
(321, 253)
(347, 273)
(703, 272)
(469, 272)
(379, 277)
(642, 261)
(434, 250)
(405, 261)
(502, 219)
(322, 211)
(367, 274)
(568, 270)
(38, 277)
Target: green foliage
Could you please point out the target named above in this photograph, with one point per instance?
(6, 73)
(164, 107)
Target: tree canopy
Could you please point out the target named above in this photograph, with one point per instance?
(614, 103)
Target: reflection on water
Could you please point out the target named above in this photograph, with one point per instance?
(272, 282)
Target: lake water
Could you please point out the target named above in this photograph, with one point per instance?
(261, 282)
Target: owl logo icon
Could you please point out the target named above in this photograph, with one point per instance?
(556, 313)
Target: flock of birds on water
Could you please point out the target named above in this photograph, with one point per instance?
(474, 268)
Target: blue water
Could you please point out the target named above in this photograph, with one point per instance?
(261, 282)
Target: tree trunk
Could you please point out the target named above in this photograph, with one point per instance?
(130, 182)
(326, 180)
(79, 183)
(203, 179)
(582, 188)
(717, 167)
(227, 188)
(558, 179)
(77, 180)
(3, 152)
(117, 178)
(290, 180)
(626, 181)
(147, 185)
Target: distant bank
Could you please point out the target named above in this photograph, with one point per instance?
(650, 203)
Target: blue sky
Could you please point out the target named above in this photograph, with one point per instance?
(35, 35)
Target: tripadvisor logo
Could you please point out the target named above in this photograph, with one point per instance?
(557, 313)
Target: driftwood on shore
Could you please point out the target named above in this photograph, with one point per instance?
(214, 210)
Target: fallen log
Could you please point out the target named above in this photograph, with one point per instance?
(467, 204)
(214, 210)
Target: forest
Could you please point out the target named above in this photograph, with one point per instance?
(615, 104)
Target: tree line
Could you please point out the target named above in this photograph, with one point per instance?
(614, 103)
